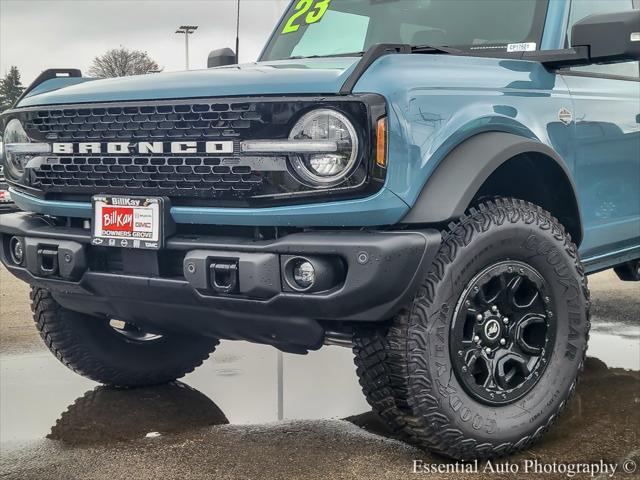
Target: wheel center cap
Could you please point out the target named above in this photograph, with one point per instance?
(492, 330)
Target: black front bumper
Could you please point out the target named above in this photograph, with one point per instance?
(378, 272)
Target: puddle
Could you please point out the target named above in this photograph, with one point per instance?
(240, 384)
(40, 397)
(105, 415)
(614, 349)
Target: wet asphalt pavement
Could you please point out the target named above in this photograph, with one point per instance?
(229, 419)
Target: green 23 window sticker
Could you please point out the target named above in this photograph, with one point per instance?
(303, 6)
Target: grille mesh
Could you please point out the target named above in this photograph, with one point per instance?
(188, 176)
(173, 176)
(163, 121)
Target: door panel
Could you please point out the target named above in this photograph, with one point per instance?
(607, 143)
(607, 161)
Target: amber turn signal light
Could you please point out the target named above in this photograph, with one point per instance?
(381, 143)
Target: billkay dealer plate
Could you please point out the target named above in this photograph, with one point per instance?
(128, 222)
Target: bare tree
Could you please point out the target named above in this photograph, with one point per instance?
(120, 62)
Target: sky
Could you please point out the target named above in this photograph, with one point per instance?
(40, 34)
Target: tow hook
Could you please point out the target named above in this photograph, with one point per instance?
(224, 276)
(48, 261)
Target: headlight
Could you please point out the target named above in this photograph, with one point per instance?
(18, 149)
(325, 168)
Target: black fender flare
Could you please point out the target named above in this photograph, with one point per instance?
(457, 179)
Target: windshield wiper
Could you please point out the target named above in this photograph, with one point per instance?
(329, 55)
(409, 49)
(436, 49)
(301, 57)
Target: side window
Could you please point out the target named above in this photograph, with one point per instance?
(583, 8)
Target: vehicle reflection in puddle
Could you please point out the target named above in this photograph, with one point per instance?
(240, 379)
(107, 415)
(241, 384)
(240, 388)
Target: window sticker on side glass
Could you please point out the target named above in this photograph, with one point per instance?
(311, 10)
(521, 47)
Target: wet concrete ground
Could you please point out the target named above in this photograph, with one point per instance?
(222, 421)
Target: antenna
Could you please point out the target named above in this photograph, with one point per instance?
(238, 34)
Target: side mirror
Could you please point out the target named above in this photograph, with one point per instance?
(221, 57)
(610, 37)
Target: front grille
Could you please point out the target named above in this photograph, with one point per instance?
(164, 121)
(211, 169)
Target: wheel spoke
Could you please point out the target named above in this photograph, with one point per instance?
(491, 381)
(501, 295)
(481, 300)
(530, 334)
(503, 378)
(511, 369)
(479, 367)
(512, 288)
(517, 302)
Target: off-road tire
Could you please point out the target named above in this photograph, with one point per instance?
(405, 367)
(91, 348)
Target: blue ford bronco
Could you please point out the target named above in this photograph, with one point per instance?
(427, 181)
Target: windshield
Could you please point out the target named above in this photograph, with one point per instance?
(335, 27)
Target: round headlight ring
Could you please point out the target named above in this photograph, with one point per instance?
(13, 133)
(303, 163)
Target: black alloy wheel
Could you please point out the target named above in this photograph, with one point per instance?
(503, 332)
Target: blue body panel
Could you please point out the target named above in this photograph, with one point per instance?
(606, 145)
(382, 208)
(284, 77)
(55, 84)
(435, 102)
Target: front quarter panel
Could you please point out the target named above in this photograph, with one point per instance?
(436, 102)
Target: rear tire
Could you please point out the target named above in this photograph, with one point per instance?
(91, 347)
(628, 272)
(441, 378)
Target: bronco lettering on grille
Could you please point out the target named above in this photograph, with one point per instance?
(120, 148)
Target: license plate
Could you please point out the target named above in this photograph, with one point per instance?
(128, 222)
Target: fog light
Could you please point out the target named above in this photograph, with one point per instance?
(312, 274)
(16, 248)
(304, 275)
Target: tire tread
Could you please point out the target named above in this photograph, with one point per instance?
(54, 323)
(387, 357)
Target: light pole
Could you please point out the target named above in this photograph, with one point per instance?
(238, 33)
(187, 30)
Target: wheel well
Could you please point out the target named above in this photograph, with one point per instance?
(537, 178)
